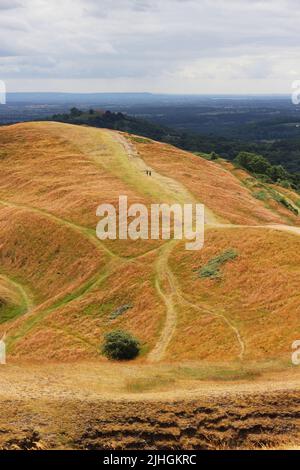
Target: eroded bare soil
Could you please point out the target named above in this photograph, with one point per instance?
(239, 421)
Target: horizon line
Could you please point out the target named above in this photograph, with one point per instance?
(143, 93)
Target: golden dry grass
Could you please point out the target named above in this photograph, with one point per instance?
(257, 293)
(215, 367)
(53, 177)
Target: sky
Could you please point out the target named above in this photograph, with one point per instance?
(159, 46)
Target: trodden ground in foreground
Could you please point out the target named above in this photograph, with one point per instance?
(107, 406)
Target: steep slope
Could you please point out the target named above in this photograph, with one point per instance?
(62, 288)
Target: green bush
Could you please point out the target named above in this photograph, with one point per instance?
(212, 269)
(120, 346)
(254, 163)
(263, 169)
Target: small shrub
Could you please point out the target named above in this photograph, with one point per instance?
(212, 269)
(120, 346)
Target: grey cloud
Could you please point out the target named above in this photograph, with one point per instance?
(146, 38)
(9, 4)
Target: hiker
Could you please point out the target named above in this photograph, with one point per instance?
(3, 351)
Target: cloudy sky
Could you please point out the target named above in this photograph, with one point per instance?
(175, 46)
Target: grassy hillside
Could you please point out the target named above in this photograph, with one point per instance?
(62, 289)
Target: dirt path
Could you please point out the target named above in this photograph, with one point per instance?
(169, 299)
(164, 275)
(223, 317)
(176, 190)
(285, 228)
(281, 227)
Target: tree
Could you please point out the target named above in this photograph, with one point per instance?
(120, 345)
(254, 163)
(277, 172)
(75, 112)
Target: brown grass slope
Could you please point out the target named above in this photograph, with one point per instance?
(67, 284)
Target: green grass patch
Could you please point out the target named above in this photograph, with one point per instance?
(173, 377)
(213, 267)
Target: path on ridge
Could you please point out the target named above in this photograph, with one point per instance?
(163, 271)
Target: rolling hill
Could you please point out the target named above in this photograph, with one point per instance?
(62, 289)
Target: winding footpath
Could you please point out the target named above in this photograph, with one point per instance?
(173, 295)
